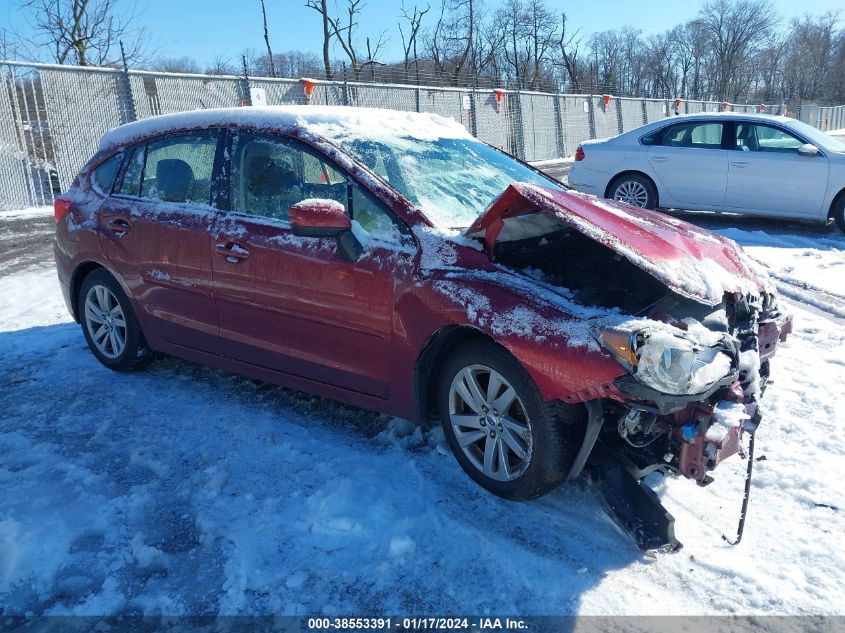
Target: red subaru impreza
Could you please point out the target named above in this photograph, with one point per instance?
(392, 261)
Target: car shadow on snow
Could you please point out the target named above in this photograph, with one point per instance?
(301, 503)
(763, 231)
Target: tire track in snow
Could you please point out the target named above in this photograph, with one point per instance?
(823, 301)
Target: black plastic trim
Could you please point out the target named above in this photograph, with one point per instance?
(666, 402)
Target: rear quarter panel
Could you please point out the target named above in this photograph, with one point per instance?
(76, 243)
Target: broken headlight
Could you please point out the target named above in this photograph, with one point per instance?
(670, 360)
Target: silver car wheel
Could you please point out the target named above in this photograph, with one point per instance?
(490, 423)
(105, 321)
(632, 192)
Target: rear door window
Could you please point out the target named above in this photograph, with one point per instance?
(130, 185)
(701, 134)
(179, 168)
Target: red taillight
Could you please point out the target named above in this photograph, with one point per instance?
(579, 153)
(60, 208)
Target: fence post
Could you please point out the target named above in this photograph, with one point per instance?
(645, 110)
(243, 84)
(519, 130)
(592, 110)
(619, 124)
(561, 143)
(125, 101)
(346, 97)
(473, 112)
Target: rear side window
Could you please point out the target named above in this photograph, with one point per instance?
(651, 138)
(131, 183)
(179, 169)
(104, 174)
(702, 135)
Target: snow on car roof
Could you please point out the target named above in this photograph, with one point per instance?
(326, 121)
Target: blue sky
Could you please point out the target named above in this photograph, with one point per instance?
(201, 28)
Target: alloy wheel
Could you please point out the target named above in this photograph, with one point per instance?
(632, 192)
(490, 422)
(105, 321)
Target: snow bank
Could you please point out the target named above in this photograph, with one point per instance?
(814, 262)
(137, 493)
(29, 212)
(186, 490)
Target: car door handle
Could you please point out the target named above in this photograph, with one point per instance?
(659, 159)
(119, 226)
(740, 164)
(233, 252)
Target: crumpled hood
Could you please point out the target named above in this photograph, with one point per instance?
(690, 261)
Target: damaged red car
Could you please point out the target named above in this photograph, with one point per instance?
(392, 261)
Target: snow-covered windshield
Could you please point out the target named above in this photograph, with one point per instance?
(453, 180)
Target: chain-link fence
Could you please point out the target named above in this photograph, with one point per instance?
(823, 117)
(52, 117)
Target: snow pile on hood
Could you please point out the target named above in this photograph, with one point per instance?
(329, 122)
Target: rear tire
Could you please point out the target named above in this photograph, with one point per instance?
(508, 440)
(839, 212)
(635, 190)
(109, 324)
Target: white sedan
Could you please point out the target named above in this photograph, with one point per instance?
(737, 163)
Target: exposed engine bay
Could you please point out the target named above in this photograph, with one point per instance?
(696, 372)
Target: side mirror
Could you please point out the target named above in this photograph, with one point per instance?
(319, 218)
(326, 218)
(808, 149)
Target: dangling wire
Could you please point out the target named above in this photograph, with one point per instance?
(744, 510)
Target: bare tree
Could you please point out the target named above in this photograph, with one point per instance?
(221, 64)
(452, 43)
(344, 31)
(568, 45)
(267, 40)
(86, 32)
(8, 46)
(542, 33)
(735, 30)
(409, 44)
(810, 55)
(320, 7)
(175, 65)
(512, 15)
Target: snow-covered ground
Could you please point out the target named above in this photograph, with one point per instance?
(29, 212)
(183, 489)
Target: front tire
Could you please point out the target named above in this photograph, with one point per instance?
(504, 436)
(839, 213)
(635, 190)
(109, 324)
